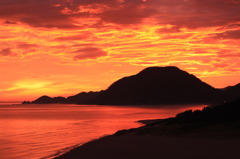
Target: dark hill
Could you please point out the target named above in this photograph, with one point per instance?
(49, 100)
(43, 100)
(159, 85)
(81, 98)
(232, 92)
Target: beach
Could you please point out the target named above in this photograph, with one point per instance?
(155, 147)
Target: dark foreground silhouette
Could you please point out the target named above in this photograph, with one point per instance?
(213, 132)
(218, 121)
(152, 86)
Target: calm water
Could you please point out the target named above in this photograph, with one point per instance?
(44, 131)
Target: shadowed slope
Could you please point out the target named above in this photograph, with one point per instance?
(232, 92)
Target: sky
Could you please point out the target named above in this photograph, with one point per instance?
(63, 47)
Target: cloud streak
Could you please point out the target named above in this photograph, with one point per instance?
(88, 53)
(6, 52)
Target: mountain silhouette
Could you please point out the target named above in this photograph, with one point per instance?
(152, 86)
(81, 98)
(159, 85)
(49, 100)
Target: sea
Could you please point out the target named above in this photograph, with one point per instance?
(38, 131)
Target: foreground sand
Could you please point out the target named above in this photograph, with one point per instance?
(155, 147)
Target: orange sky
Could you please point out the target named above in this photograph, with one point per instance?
(63, 47)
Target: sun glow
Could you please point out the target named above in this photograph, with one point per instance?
(30, 85)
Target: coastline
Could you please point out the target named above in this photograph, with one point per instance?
(154, 147)
(134, 144)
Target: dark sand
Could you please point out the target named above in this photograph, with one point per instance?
(156, 147)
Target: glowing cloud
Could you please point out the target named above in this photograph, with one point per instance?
(199, 36)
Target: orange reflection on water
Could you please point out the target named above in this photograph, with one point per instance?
(35, 131)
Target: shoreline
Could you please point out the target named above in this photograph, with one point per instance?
(149, 121)
(61, 155)
(154, 147)
(133, 144)
(71, 148)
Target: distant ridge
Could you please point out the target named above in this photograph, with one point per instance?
(81, 98)
(151, 86)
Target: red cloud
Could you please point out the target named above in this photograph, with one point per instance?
(173, 29)
(35, 13)
(64, 13)
(6, 52)
(89, 53)
(234, 34)
(84, 35)
(26, 46)
(130, 12)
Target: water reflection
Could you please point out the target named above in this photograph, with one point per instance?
(35, 131)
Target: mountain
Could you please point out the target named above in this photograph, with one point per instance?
(81, 98)
(159, 85)
(232, 92)
(152, 86)
(49, 100)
